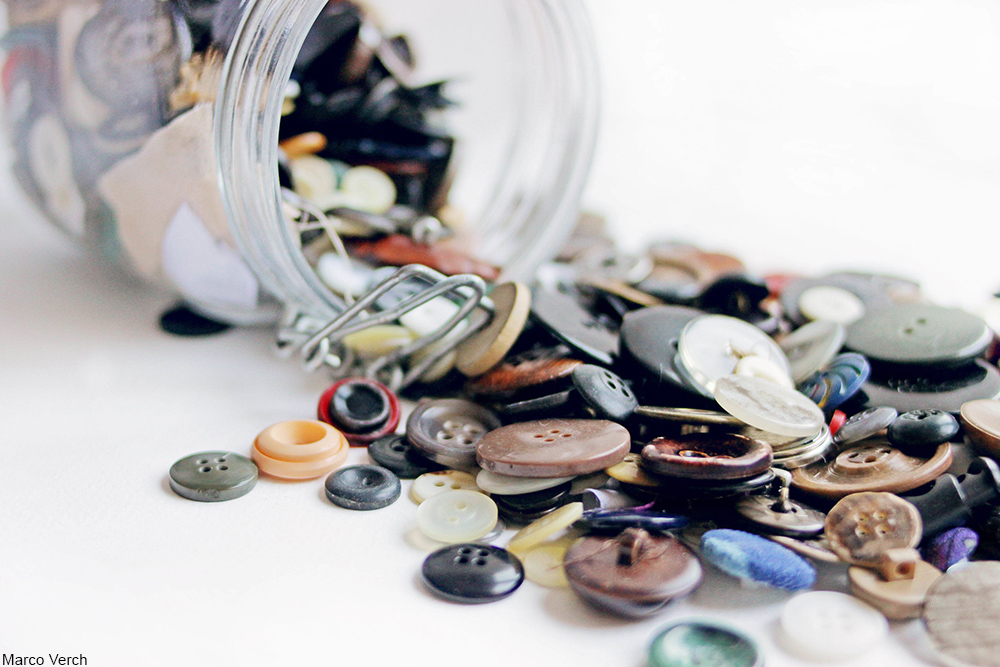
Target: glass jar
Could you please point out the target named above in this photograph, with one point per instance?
(188, 196)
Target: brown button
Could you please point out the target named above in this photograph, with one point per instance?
(962, 613)
(400, 250)
(899, 599)
(981, 419)
(874, 465)
(818, 549)
(486, 348)
(634, 574)
(553, 447)
(707, 456)
(862, 527)
(509, 378)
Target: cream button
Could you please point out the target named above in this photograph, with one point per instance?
(825, 625)
(768, 406)
(457, 516)
(431, 484)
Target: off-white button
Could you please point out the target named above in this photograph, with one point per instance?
(457, 516)
(768, 406)
(825, 302)
(431, 484)
(825, 625)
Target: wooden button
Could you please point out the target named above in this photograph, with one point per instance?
(707, 456)
(486, 348)
(962, 613)
(873, 466)
(862, 527)
(899, 599)
(634, 574)
(553, 447)
(509, 378)
(982, 425)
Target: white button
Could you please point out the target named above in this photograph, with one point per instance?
(759, 367)
(457, 516)
(341, 276)
(710, 346)
(811, 347)
(768, 406)
(493, 482)
(431, 484)
(428, 317)
(824, 625)
(825, 302)
(368, 189)
(314, 177)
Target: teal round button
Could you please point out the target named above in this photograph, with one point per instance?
(703, 644)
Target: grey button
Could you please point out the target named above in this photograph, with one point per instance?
(362, 487)
(213, 476)
(447, 430)
(920, 334)
(865, 424)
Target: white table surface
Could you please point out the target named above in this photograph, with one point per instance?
(800, 136)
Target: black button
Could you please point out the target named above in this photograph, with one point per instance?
(536, 501)
(359, 406)
(182, 321)
(362, 487)
(922, 428)
(649, 341)
(604, 393)
(945, 389)
(472, 573)
(565, 318)
(617, 520)
(398, 455)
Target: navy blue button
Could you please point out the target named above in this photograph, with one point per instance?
(472, 573)
(362, 487)
(918, 429)
(617, 520)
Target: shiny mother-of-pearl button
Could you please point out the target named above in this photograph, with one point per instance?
(812, 346)
(825, 625)
(368, 189)
(762, 368)
(457, 516)
(493, 482)
(768, 406)
(711, 345)
(431, 484)
(826, 302)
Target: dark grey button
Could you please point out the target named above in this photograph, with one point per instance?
(447, 430)
(536, 501)
(213, 476)
(775, 516)
(649, 341)
(922, 428)
(362, 487)
(564, 317)
(945, 389)
(921, 335)
(865, 424)
(472, 573)
(617, 520)
(604, 393)
(398, 455)
(359, 405)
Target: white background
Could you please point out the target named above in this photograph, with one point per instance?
(803, 136)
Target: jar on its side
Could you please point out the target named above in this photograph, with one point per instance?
(149, 130)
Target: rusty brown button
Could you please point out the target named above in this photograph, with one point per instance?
(553, 447)
(862, 527)
(400, 250)
(962, 613)
(981, 419)
(634, 574)
(707, 456)
(511, 377)
(873, 465)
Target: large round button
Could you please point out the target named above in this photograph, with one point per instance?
(472, 573)
(790, 518)
(700, 643)
(920, 334)
(932, 389)
(982, 425)
(213, 476)
(871, 466)
(362, 487)
(649, 338)
(486, 348)
(447, 430)
(553, 447)
(510, 377)
(862, 527)
(825, 625)
(493, 482)
(301, 449)
(570, 322)
(768, 406)
(962, 612)
(711, 345)
(457, 516)
(707, 456)
(634, 574)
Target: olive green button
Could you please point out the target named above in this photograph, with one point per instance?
(213, 476)
(700, 643)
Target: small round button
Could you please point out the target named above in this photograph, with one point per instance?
(703, 643)
(362, 487)
(398, 455)
(827, 302)
(919, 429)
(825, 625)
(213, 476)
(434, 483)
(472, 573)
(486, 348)
(862, 527)
(768, 406)
(790, 518)
(865, 424)
(708, 456)
(299, 449)
(898, 599)
(961, 614)
(553, 447)
(457, 516)
(365, 410)
(447, 430)
(604, 393)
